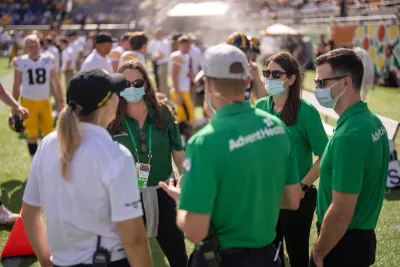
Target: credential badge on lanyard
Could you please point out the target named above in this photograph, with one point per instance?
(142, 169)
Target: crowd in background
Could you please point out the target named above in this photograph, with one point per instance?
(32, 12)
(24, 12)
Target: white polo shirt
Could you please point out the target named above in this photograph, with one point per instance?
(68, 55)
(102, 191)
(197, 58)
(96, 61)
(161, 46)
(56, 53)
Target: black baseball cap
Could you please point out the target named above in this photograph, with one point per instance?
(103, 37)
(91, 89)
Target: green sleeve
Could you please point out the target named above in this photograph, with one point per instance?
(199, 181)
(293, 173)
(174, 135)
(315, 132)
(348, 164)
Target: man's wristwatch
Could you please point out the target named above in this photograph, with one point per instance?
(304, 187)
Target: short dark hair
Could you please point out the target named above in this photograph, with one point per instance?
(72, 34)
(344, 62)
(126, 36)
(49, 40)
(183, 39)
(64, 40)
(138, 40)
(175, 36)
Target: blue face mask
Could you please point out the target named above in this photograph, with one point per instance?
(275, 88)
(132, 94)
(324, 97)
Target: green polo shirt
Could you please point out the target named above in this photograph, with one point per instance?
(235, 170)
(307, 133)
(163, 142)
(356, 161)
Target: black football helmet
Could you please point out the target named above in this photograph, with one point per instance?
(16, 123)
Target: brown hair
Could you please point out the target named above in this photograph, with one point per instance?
(291, 66)
(126, 36)
(117, 126)
(69, 137)
(344, 62)
(229, 86)
(183, 39)
(138, 40)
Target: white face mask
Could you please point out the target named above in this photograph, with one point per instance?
(132, 94)
(324, 96)
(209, 103)
(275, 88)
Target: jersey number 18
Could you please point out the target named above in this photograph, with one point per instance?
(40, 74)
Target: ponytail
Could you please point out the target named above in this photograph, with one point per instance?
(69, 139)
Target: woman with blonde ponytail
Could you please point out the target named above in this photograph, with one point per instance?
(86, 184)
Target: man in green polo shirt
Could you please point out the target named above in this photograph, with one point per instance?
(239, 171)
(353, 168)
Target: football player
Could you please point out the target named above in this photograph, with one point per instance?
(117, 52)
(182, 77)
(250, 46)
(256, 87)
(33, 73)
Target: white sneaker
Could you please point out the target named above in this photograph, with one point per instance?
(7, 216)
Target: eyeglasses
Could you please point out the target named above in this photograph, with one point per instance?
(143, 145)
(320, 82)
(139, 83)
(276, 74)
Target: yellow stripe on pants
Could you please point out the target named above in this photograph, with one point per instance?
(180, 111)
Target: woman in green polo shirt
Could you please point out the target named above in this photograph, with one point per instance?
(147, 127)
(283, 85)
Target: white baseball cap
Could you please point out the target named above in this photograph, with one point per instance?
(226, 61)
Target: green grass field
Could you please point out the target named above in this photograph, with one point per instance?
(15, 161)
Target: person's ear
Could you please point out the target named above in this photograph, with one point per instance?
(207, 85)
(292, 79)
(347, 83)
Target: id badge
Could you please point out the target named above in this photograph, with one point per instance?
(143, 172)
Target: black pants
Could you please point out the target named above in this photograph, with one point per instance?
(294, 226)
(262, 257)
(155, 69)
(119, 263)
(170, 238)
(356, 248)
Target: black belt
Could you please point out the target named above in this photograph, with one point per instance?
(243, 250)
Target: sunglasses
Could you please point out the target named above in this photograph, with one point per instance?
(143, 146)
(276, 74)
(139, 83)
(320, 82)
